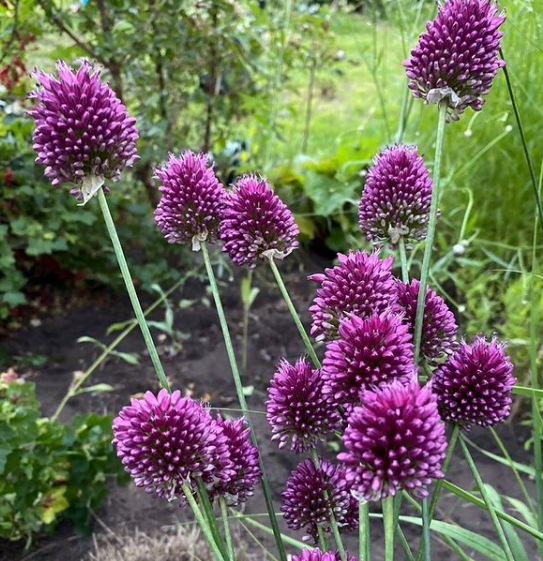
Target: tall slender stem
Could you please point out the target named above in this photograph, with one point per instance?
(426, 520)
(241, 397)
(488, 502)
(125, 272)
(322, 539)
(439, 484)
(294, 313)
(226, 525)
(388, 519)
(534, 381)
(202, 522)
(333, 522)
(246, 318)
(203, 498)
(431, 229)
(531, 171)
(363, 531)
(403, 259)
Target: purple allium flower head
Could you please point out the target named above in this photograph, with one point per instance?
(474, 386)
(318, 555)
(361, 284)
(394, 441)
(244, 457)
(84, 134)
(256, 223)
(439, 326)
(166, 440)
(396, 199)
(312, 494)
(369, 352)
(192, 200)
(298, 408)
(456, 58)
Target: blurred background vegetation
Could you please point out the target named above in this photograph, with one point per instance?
(303, 92)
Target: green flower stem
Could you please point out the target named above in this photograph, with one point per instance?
(364, 531)
(241, 397)
(246, 318)
(202, 522)
(125, 272)
(426, 521)
(294, 313)
(203, 498)
(431, 229)
(226, 525)
(322, 539)
(419, 318)
(388, 519)
(403, 260)
(333, 522)
(537, 422)
(490, 507)
(439, 484)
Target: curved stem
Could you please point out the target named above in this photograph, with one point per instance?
(226, 525)
(403, 260)
(523, 141)
(241, 397)
(125, 272)
(294, 314)
(202, 522)
(431, 229)
(488, 502)
(388, 519)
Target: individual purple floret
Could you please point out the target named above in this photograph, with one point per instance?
(192, 200)
(256, 223)
(439, 326)
(395, 441)
(474, 386)
(244, 458)
(312, 494)
(166, 440)
(298, 409)
(456, 58)
(318, 555)
(84, 134)
(361, 284)
(369, 352)
(396, 199)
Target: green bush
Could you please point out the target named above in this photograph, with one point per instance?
(49, 470)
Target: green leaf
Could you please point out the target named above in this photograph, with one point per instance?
(517, 548)
(466, 495)
(479, 543)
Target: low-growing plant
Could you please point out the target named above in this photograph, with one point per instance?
(49, 470)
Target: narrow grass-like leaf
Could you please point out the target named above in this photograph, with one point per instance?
(466, 495)
(519, 552)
